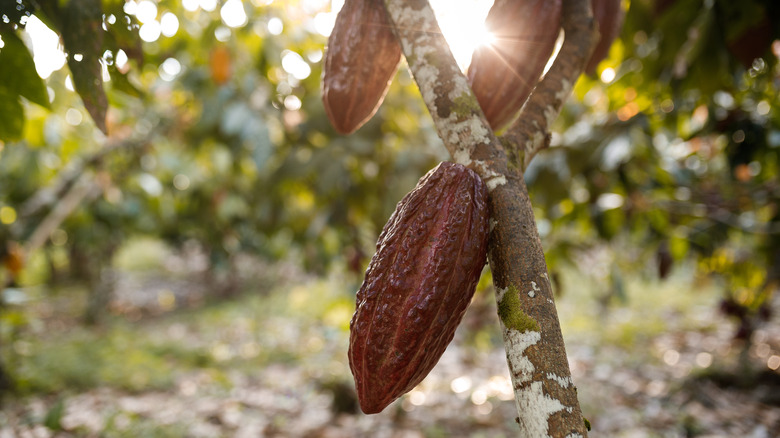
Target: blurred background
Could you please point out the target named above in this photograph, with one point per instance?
(193, 273)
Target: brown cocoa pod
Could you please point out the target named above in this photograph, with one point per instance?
(418, 284)
(503, 73)
(361, 59)
(609, 15)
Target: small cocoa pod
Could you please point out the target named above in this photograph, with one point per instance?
(360, 61)
(503, 73)
(609, 15)
(220, 64)
(418, 284)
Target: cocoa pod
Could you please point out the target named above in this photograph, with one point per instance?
(220, 64)
(14, 259)
(361, 59)
(503, 73)
(609, 15)
(418, 284)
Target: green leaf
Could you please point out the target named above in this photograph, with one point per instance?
(11, 116)
(123, 34)
(53, 418)
(83, 37)
(678, 246)
(18, 75)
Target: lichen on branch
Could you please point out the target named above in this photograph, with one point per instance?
(454, 108)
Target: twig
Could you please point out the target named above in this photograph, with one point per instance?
(73, 186)
(85, 188)
(46, 196)
(530, 132)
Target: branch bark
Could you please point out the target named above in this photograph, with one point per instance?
(85, 188)
(545, 395)
(531, 128)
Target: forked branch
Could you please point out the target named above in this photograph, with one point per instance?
(545, 395)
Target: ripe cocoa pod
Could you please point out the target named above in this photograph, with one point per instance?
(360, 61)
(418, 284)
(609, 15)
(503, 73)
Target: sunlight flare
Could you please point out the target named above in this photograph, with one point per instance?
(462, 23)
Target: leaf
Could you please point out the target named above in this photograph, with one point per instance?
(18, 75)
(123, 34)
(740, 17)
(83, 37)
(11, 116)
(678, 246)
(53, 418)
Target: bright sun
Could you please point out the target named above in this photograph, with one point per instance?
(462, 23)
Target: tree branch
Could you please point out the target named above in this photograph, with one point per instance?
(74, 185)
(46, 196)
(545, 395)
(85, 188)
(530, 132)
(454, 108)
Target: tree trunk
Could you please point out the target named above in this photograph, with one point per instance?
(101, 285)
(545, 395)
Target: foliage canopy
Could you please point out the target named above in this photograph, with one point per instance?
(192, 124)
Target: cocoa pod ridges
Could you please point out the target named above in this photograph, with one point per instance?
(361, 59)
(418, 284)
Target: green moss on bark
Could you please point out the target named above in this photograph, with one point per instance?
(465, 105)
(511, 312)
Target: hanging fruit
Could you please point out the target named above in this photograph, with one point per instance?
(360, 61)
(429, 258)
(609, 15)
(503, 73)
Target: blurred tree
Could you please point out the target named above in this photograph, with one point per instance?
(207, 126)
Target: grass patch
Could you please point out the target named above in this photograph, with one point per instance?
(119, 357)
(124, 425)
(287, 326)
(650, 308)
(141, 254)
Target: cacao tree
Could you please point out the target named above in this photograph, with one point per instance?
(544, 392)
(682, 130)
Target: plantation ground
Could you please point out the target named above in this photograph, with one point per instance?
(169, 362)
